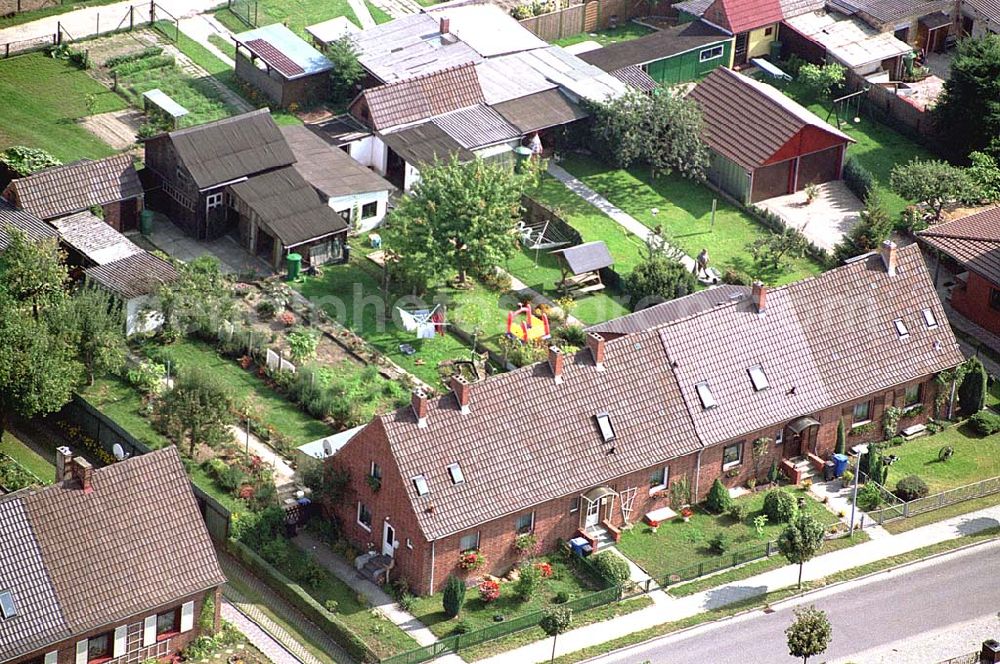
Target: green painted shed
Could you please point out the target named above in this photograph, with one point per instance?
(677, 54)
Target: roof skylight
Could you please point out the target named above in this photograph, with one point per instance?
(455, 471)
(604, 424)
(420, 482)
(706, 396)
(929, 320)
(901, 328)
(7, 607)
(758, 378)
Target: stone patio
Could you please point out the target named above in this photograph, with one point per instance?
(826, 220)
(234, 259)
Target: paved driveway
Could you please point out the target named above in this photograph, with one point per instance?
(171, 240)
(826, 220)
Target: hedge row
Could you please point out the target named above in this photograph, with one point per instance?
(304, 602)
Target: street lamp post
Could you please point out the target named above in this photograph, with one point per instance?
(859, 451)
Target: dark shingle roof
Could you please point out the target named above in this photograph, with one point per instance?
(39, 620)
(549, 108)
(133, 276)
(24, 221)
(423, 97)
(289, 207)
(527, 440)
(668, 312)
(63, 190)
(586, 257)
(330, 170)
(109, 554)
(425, 144)
(656, 46)
(232, 148)
(748, 121)
(973, 241)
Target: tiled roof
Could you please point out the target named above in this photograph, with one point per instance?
(634, 77)
(749, 121)
(540, 110)
(284, 50)
(668, 312)
(39, 620)
(476, 126)
(330, 170)
(133, 276)
(655, 46)
(288, 207)
(24, 221)
(63, 190)
(135, 543)
(423, 97)
(94, 239)
(527, 439)
(973, 241)
(231, 148)
(742, 15)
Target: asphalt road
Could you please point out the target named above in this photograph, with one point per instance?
(902, 605)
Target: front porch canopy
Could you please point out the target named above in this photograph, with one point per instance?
(801, 424)
(596, 494)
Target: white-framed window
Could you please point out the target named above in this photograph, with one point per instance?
(420, 483)
(574, 504)
(732, 455)
(525, 523)
(455, 471)
(369, 210)
(364, 516)
(862, 413)
(911, 397)
(469, 542)
(658, 479)
(779, 436)
(710, 53)
(213, 201)
(376, 471)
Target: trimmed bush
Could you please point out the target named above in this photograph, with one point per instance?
(453, 596)
(985, 422)
(972, 391)
(718, 500)
(779, 506)
(611, 568)
(858, 178)
(911, 487)
(738, 511)
(719, 544)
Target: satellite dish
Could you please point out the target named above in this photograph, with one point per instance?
(327, 448)
(119, 452)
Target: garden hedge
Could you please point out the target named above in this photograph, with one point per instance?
(304, 602)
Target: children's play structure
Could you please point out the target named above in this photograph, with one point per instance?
(525, 326)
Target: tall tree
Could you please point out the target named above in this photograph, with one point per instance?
(34, 273)
(347, 71)
(930, 181)
(198, 300)
(968, 111)
(809, 634)
(801, 540)
(458, 217)
(616, 128)
(97, 319)
(197, 408)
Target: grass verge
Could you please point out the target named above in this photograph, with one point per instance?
(296, 14)
(44, 469)
(377, 13)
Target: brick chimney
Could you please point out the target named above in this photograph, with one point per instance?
(595, 343)
(445, 25)
(418, 401)
(83, 472)
(64, 463)
(888, 251)
(460, 386)
(759, 296)
(556, 363)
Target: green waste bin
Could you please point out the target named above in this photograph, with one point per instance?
(146, 222)
(294, 266)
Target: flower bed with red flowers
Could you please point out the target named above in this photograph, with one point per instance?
(545, 569)
(489, 591)
(471, 560)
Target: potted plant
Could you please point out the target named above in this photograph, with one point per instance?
(471, 560)
(686, 513)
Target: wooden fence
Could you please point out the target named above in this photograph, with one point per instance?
(893, 109)
(591, 15)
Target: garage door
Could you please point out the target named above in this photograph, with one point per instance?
(819, 167)
(770, 181)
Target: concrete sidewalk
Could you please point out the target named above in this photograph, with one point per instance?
(669, 609)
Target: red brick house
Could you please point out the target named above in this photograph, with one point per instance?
(111, 184)
(106, 566)
(583, 444)
(970, 247)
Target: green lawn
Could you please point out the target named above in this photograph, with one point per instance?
(44, 469)
(878, 147)
(623, 32)
(678, 545)
(41, 100)
(476, 614)
(684, 211)
(377, 13)
(223, 44)
(296, 14)
(976, 458)
(272, 407)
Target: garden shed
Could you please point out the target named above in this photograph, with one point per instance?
(157, 102)
(283, 66)
(581, 267)
(762, 143)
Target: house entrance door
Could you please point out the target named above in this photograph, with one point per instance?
(593, 514)
(388, 540)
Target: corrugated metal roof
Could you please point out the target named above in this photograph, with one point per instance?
(502, 79)
(22, 220)
(425, 144)
(892, 11)
(487, 29)
(578, 78)
(410, 46)
(283, 50)
(165, 103)
(850, 41)
(634, 77)
(95, 239)
(133, 276)
(989, 8)
(332, 30)
(476, 127)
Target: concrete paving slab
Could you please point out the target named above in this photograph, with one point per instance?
(826, 220)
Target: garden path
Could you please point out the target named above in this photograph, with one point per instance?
(200, 27)
(623, 219)
(838, 500)
(284, 474)
(237, 103)
(256, 635)
(397, 8)
(361, 11)
(668, 609)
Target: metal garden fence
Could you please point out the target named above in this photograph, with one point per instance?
(726, 561)
(901, 510)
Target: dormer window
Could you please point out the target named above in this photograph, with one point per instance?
(420, 483)
(455, 471)
(901, 328)
(605, 427)
(706, 396)
(758, 378)
(929, 320)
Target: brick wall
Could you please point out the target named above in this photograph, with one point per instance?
(135, 652)
(973, 302)
(123, 215)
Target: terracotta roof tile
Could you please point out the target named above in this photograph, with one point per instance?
(63, 190)
(973, 241)
(423, 97)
